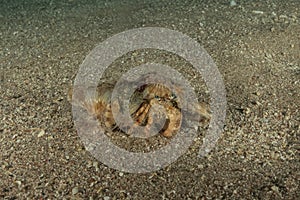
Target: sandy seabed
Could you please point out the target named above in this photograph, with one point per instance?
(256, 46)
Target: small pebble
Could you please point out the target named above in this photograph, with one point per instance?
(257, 12)
(95, 165)
(41, 133)
(75, 190)
(200, 166)
(19, 183)
(232, 3)
(247, 110)
(275, 189)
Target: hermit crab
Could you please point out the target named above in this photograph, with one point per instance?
(149, 103)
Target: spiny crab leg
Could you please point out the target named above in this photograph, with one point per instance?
(174, 118)
(142, 113)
